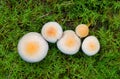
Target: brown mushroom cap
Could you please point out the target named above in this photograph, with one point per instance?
(82, 30)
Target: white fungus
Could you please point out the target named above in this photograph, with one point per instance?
(32, 47)
(90, 45)
(52, 31)
(69, 43)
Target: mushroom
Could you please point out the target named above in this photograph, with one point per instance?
(69, 43)
(32, 47)
(52, 31)
(82, 30)
(90, 45)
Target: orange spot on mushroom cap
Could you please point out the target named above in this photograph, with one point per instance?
(51, 31)
(70, 42)
(92, 46)
(31, 48)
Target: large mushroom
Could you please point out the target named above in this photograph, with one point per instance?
(90, 45)
(52, 31)
(69, 43)
(32, 47)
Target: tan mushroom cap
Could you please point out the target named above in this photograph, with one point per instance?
(90, 45)
(32, 47)
(52, 31)
(69, 43)
(82, 30)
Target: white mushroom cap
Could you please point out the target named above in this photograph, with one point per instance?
(32, 47)
(82, 30)
(69, 43)
(90, 45)
(52, 31)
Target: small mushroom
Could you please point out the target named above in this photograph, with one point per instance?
(32, 47)
(52, 31)
(69, 43)
(90, 45)
(82, 30)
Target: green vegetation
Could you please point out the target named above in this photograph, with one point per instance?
(18, 17)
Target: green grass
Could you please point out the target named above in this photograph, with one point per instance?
(20, 17)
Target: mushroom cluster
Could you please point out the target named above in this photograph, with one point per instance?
(33, 46)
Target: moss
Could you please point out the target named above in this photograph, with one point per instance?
(20, 17)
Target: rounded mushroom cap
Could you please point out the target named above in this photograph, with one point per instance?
(90, 45)
(82, 30)
(52, 31)
(69, 43)
(32, 47)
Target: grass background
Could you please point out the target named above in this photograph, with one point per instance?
(18, 17)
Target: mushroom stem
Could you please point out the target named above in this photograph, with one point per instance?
(89, 24)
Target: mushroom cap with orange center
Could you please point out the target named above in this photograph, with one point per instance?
(82, 30)
(90, 45)
(32, 47)
(69, 43)
(52, 31)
